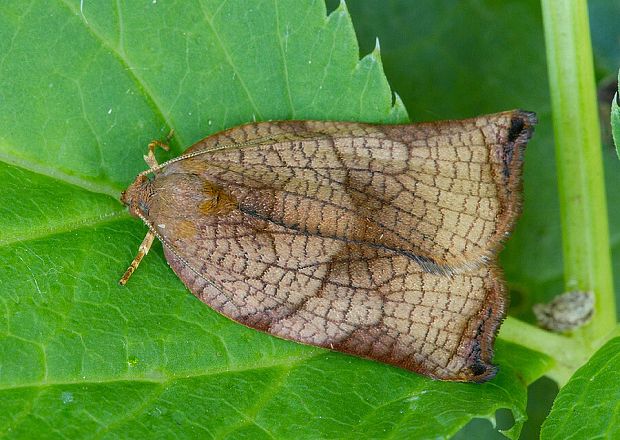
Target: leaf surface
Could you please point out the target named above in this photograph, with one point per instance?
(587, 406)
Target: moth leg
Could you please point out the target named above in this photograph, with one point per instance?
(149, 158)
(142, 251)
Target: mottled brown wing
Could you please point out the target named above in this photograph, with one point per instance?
(444, 194)
(348, 297)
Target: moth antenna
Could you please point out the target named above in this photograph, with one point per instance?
(154, 166)
(142, 251)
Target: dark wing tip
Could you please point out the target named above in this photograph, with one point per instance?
(520, 131)
(482, 372)
(521, 126)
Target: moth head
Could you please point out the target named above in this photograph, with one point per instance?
(136, 196)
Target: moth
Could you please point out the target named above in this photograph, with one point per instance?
(375, 240)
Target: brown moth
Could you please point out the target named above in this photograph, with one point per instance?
(373, 240)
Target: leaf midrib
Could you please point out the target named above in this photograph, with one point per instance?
(45, 231)
(287, 364)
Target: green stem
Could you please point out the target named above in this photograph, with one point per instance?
(583, 209)
(567, 352)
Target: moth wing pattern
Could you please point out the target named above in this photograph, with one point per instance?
(444, 193)
(373, 240)
(346, 297)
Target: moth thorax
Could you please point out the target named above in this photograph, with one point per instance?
(216, 201)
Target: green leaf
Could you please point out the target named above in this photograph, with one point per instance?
(615, 119)
(84, 89)
(587, 407)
